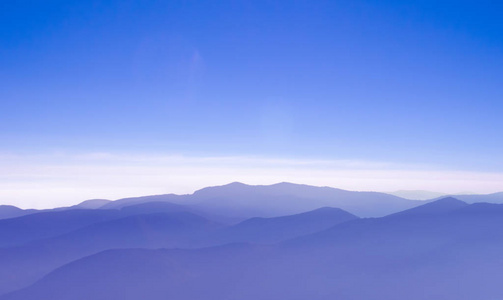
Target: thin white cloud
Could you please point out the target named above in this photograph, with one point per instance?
(64, 179)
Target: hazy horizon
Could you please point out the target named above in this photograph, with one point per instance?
(61, 179)
(419, 195)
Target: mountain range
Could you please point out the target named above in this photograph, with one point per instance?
(236, 201)
(283, 241)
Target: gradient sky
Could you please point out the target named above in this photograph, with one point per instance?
(397, 84)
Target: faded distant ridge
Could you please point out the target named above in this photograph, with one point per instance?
(92, 204)
(244, 201)
(236, 201)
(440, 206)
(417, 194)
(489, 198)
(9, 211)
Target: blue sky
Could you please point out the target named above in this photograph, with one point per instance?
(414, 83)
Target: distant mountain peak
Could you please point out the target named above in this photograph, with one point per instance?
(92, 204)
(275, 229)
(242, 201)
(319, 212)
(442, 205)
(10, 211)
(235, 183)
(10, 207)
(417, 194)
(328, 209)
(449, 200)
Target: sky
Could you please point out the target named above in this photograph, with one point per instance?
(108, 99)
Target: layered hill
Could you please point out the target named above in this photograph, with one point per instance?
(273, 230)
(443, 250)
(24, 264)
(144, 226)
